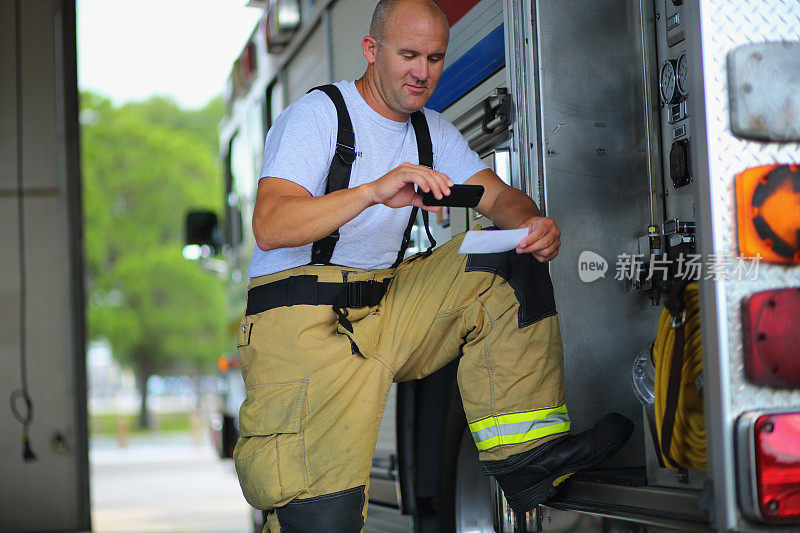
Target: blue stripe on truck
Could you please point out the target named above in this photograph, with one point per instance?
(474, 66)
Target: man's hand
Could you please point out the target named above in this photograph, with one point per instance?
(543, 239)
(396, 187)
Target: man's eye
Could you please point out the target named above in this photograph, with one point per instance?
(408, 56)
(434, 59)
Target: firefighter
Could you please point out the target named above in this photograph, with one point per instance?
(334, 317)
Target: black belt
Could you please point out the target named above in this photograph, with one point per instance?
(306, 290)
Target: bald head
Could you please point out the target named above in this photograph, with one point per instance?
(386, 8)
(405, 54)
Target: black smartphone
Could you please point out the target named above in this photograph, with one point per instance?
(460, 196)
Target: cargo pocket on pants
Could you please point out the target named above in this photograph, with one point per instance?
(270, 458)
(243, 344)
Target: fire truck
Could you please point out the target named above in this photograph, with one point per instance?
(662, 136)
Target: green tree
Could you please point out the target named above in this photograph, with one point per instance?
(144, 166)
(164, 111)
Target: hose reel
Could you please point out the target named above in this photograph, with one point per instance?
(668, 380)
(678, 360)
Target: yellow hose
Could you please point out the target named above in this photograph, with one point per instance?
(688, 447)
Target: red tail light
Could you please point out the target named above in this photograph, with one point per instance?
(777, 447)
(772, 338)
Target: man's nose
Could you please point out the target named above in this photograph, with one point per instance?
(420, 70)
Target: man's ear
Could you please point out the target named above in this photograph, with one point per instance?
(370, 47)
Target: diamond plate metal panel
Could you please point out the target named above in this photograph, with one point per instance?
(723, 26)
(726, 26)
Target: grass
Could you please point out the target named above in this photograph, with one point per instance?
(109, 424)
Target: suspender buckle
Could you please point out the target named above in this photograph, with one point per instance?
(346, 153)
(323, 250)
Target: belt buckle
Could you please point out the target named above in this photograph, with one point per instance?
(354, 294)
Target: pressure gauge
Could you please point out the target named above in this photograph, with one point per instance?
(669, 82)
(682, 72)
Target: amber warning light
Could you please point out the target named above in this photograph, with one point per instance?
(768, 213)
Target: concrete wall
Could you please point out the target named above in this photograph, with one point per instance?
(41, 289)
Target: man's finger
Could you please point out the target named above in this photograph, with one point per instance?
(417, 201)
(531, 238)
(434, 186)
(547, 254)
(420, 181)
(437, 183)
(442, 179)
(439, 175)
(446, 181)
(535, 232)
(540, 246)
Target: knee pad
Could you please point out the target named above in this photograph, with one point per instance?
(338, 512)
(529, 278)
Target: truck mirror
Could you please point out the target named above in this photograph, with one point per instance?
(202, 229)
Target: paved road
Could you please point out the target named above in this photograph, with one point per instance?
(170, 484)
(164, 484)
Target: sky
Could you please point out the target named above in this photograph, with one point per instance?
(132, 49)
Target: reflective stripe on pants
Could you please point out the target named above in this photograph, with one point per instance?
(518, 428)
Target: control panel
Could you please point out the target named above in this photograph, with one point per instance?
(675, 108)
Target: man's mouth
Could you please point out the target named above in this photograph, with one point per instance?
(416, 88)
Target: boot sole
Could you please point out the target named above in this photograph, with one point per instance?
(527, 500)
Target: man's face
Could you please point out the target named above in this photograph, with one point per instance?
(409, 63)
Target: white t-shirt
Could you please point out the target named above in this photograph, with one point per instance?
(299, 148)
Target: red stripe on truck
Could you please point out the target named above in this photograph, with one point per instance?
(455, 9)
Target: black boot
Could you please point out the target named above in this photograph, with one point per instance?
(530, 478)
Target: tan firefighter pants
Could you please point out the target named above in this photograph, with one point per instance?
(314, 403)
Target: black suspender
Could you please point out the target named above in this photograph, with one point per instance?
(339, 172)
(425, 151)
(342, 163)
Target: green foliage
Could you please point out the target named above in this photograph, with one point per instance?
(111, 424)
(144, 166)
(203, 122)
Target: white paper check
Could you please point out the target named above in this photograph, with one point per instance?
(489, 242)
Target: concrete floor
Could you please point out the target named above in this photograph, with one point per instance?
(164, 484)
(174, 483)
